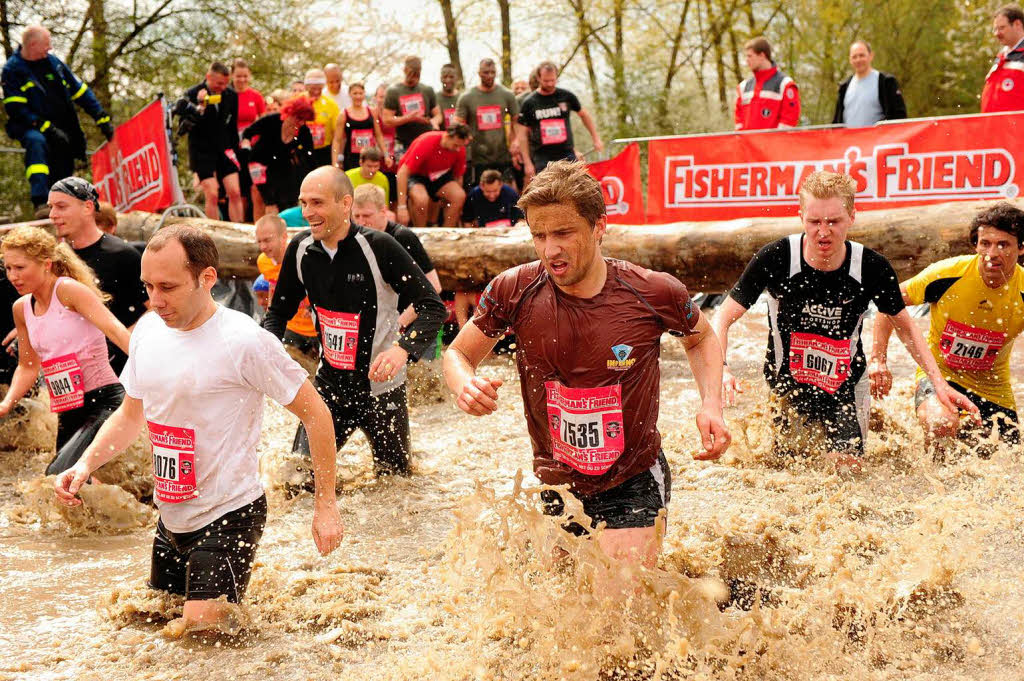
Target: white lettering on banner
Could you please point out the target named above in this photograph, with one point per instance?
(890, 173)
(133, 178)
(614, 191)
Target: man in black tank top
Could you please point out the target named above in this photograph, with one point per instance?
(819, 286)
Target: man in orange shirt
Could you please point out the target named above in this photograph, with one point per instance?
(272, 240)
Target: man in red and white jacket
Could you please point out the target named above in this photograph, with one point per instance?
(769, 98)
(1004, 84)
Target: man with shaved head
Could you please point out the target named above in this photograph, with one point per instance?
(40, 94)
(334, 90)
(327, 112)
(357, 280)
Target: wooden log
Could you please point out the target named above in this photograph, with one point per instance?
(706, 256)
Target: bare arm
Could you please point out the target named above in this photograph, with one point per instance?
(119, 431)
(591, 126)
(523, 135)
(878, 370)
(316, 417)
(912, 338)
(338, 143)
(28, 363)
(391, 120)
(402, 200)
(407, 317)
(728, 313)
(705, 356)
(76, 296)
(436, 117)
(475, 395)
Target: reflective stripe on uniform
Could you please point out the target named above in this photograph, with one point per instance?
(44, 126)
(36, 169)
(105, 119)
(15, 99)
(27, 85)
(81, 91)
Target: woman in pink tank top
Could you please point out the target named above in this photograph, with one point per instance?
(62, 326)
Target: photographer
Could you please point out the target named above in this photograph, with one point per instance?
(209, 115)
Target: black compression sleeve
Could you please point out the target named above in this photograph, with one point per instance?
(756, 276)
(288, 293)
(402, 273)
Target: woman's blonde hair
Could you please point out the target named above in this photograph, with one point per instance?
(40, 245)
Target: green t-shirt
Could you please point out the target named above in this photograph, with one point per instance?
(485, 114)
(447, 106)
(379, 179)
(403, 100)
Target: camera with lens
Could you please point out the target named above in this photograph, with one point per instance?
(188, 115)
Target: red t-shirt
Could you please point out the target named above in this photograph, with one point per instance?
(589, 367)
(426, 157)
(251, 106)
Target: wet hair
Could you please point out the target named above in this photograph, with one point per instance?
(490, 176)
(239, 63)
(299, 106)
(200, 248)
(369, 194)
(759, 45)
(1013, 13)
(565, 182)
(276, 221)
(371, 154)
(826, 185)
(460, 130)
(106, 217)
(218, 67)
(413, 63)
(40, 245)
(1003, 216)
(865, 43)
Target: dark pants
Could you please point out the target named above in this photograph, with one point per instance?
(384, 420)
(77, 428)
(44, 165)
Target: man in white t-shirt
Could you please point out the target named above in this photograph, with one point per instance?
(334, 90)
(196, 376)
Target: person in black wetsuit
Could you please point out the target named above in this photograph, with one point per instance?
(357, 280)
(73, 208)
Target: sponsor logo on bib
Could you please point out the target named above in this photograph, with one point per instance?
(488, 117)
(819, 361)
(969, 348)
(63, 378)
(340, 338)
(174, 463)
(585, 425)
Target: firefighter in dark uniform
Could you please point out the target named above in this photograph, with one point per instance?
(40, 94)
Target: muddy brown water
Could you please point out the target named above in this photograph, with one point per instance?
(913, 571)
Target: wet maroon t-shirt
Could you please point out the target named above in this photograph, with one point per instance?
(588, 367)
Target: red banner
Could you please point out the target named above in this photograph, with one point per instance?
(133, 171)
(915, 162)
(620, 183)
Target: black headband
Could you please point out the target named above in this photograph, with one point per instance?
(81, 189)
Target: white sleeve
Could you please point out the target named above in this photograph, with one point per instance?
(267, 367)
(127, 378)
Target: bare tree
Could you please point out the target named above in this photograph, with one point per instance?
(451, 41)
(506, 41)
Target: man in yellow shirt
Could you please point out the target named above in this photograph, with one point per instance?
(977, 310)
(368, 172)
(327, 112)
(300, 335)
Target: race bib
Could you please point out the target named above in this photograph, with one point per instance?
(258, 173)
(63, 378)
(359, 140)
(319, 133)
(437, 174)
(499, 223)
(230, 153)
(969, 348)
(488, 118)
(449, 115)
(819, 361)
(413, 103)
(340, 338)
(389, 142)
(586, 426)
(553, 131)
(174, 463)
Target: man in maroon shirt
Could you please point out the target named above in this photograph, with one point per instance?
(588, 331)
(432, 170)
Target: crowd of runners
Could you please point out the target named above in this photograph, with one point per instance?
(125, 341)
